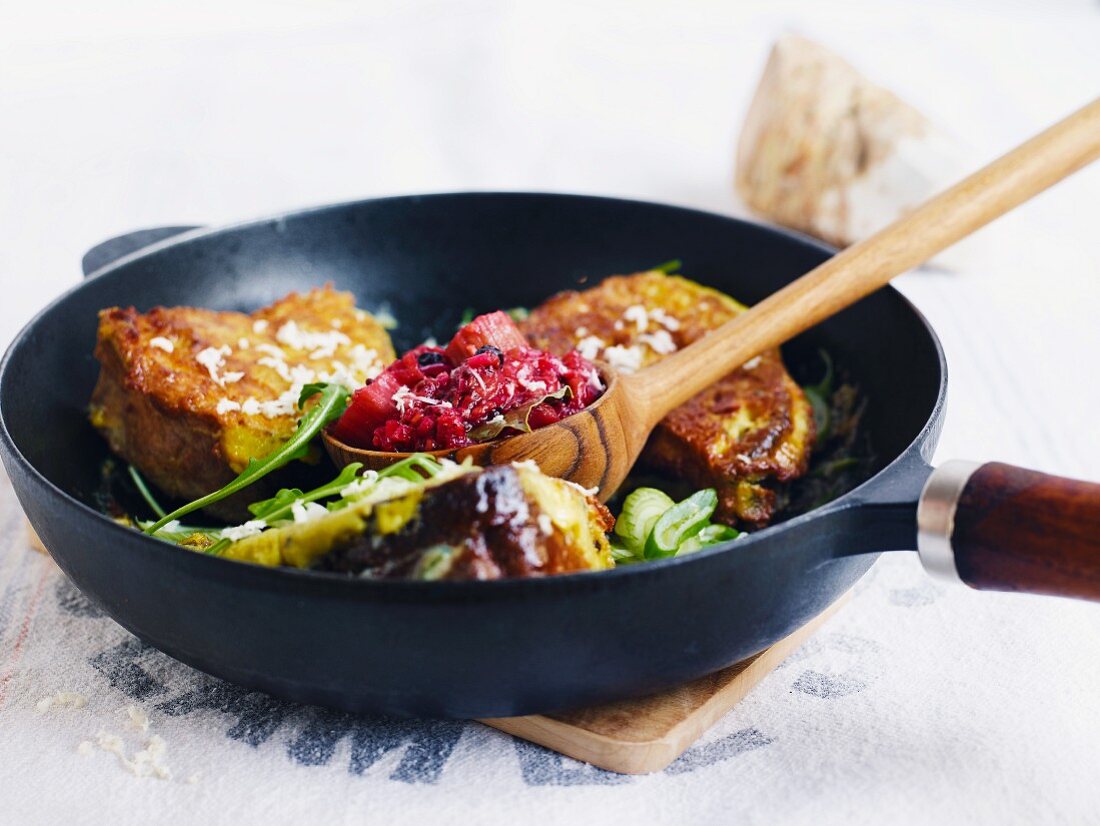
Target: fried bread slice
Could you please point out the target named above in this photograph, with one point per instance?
(491, 523)
(743, 435)
(189, 395)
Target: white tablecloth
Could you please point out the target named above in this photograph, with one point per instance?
(915, 704)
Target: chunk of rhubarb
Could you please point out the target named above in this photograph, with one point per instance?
(496, 329)
(370, 406)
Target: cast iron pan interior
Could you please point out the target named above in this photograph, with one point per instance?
(462, 649)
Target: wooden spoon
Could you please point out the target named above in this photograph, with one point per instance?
(597, 447)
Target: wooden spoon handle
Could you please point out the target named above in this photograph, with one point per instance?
(1004, 528)
(864, 267)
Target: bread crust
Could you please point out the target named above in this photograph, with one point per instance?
(185, 419)
(744, 435)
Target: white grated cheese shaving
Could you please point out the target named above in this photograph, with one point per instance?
(479, 379)
(626, 359)
(590, 347)
(253, 527)
(213, 359)
(163, 343)
(227, 406)
(301, 376)
(365, 361)
(582, 488)
(285, 405)
(360, 486)
(404, 395)
(660, 342)
(259, 326)
(339, 375)
(321, 345)
(527, 464)
(388, 488)
(243, 344)
(525, 380)
(278, 365)
(664, 319)
(545, 525)
(272, 350)
(752, 363)
(307, 511)
(638, 314)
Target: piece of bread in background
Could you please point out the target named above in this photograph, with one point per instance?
(826, 152)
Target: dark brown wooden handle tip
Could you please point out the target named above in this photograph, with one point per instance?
(1021, 530)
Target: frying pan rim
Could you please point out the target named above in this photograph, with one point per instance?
(443, 589)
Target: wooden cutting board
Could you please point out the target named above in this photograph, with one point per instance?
(646, 734)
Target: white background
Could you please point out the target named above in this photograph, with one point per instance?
(118, 115)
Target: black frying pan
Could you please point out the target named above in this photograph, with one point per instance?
(480, 649)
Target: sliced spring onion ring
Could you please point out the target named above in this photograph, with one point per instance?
(680, 522)
(710, 535)
(641, 510)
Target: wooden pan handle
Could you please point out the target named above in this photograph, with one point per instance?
(1003, 528)
(864, 267)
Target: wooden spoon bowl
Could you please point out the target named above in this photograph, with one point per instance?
(558, 449)
(343, 454)
(597, 447)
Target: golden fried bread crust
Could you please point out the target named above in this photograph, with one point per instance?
(502, 521)
(189, 395)
(741, 435)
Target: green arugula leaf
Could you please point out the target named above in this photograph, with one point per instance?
(331, 405)
(143, 489)
(418, 468)
(282, 503)
(819, 395)
(414, 468)
(219, 546)
(284, 499)
(311, 390)
(180, 533)
(669, 267)
(824, 387)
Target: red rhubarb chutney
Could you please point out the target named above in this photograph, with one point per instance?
(487, 382)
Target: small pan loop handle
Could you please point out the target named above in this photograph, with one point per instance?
(998, 527)
(109, 251)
